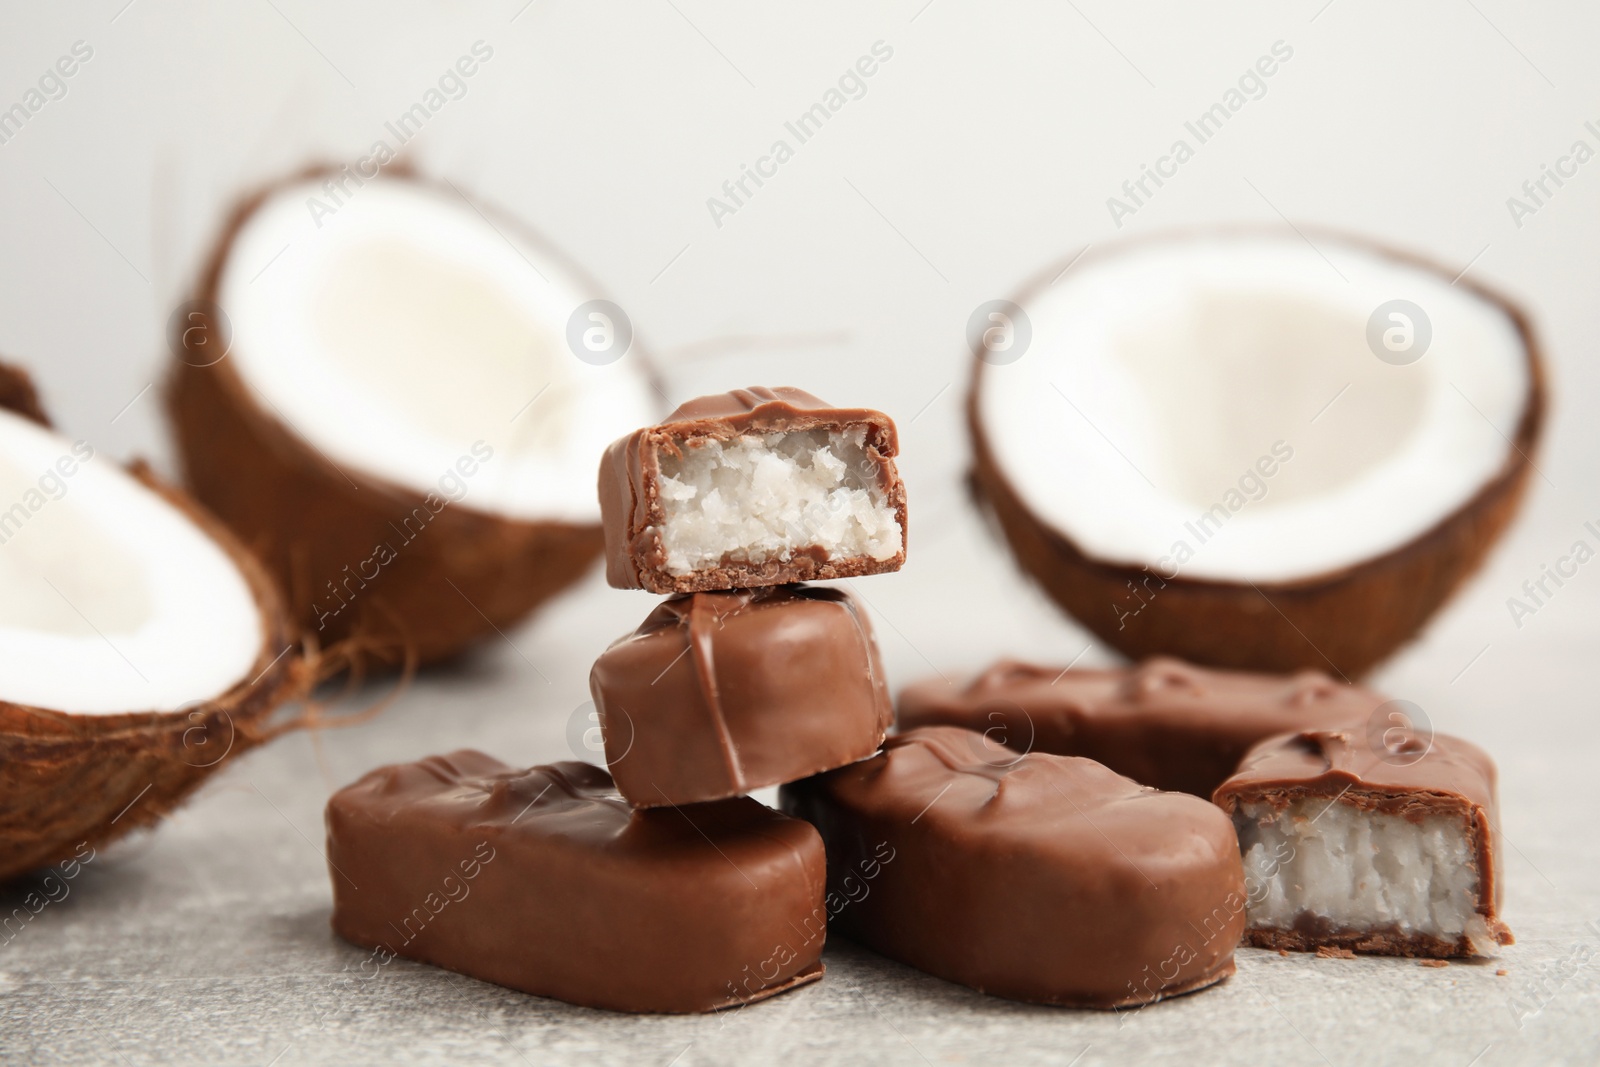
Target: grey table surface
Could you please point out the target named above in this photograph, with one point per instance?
(987, 147)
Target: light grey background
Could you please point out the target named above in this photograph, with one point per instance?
(986, 147)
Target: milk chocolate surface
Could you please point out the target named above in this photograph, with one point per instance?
(717, 694)
(543, 880)
(1408, 775)
(1048, 879)
(630, 494)
(1164, 723)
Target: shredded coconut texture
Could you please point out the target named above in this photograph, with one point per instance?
(1359, 869)
(765, 497)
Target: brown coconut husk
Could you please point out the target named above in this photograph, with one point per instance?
(1346, 620)
(467, 575)
(17, 394)
(69, 781)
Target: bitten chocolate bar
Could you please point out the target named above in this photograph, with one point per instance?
(717, 694)
(749, 488)
(543, 880)
(1164, 723)
(1384, 845)
(1047, 879)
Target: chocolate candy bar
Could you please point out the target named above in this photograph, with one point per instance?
(1164, 723)
(753, 487)
(1050, 879)
(1383, 845)
(545, 881)
(717, 694)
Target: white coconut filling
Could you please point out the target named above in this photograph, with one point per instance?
(1210, 406)
(110, 598)
(765, 497)
(398, 330)
(1360, 870)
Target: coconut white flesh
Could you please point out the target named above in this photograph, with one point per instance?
(765, 496)
(1360, 870)
(110, 598)
(406, 328)
(1159, 377)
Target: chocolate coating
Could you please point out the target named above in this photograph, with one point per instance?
(543, 880)
(630, 503)
(1164, 723)
(716, 694)
(1051, 879)
(1415, 776)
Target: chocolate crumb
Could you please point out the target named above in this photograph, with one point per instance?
(1334, 952)
(1432, 963)
(1501, 973)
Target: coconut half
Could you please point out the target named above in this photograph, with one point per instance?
(140, 646)
(1255, 451)
(393, 410)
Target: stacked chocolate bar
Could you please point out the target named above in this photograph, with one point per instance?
(743, 678)
(682, 894)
